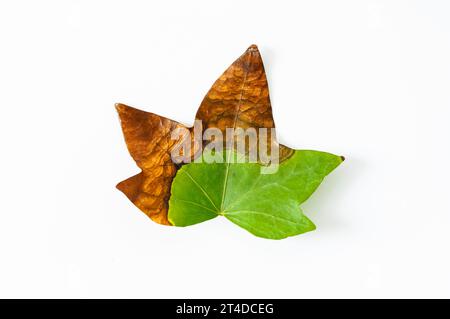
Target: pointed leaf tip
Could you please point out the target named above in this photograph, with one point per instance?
(120, 107)
(253, 47)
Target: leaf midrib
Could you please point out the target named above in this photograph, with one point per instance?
(238, 109)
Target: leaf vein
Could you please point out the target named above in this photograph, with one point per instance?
(261, 213)
(194, 203)
(201, 188)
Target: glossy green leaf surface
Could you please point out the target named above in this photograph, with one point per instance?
(266, 205)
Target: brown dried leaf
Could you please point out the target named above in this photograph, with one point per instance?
(149, 142)
(240, 98)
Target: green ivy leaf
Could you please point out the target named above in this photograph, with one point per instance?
(266, 205)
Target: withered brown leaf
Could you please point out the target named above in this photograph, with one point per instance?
(238, 98)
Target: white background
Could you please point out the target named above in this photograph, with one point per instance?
(366, 79)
